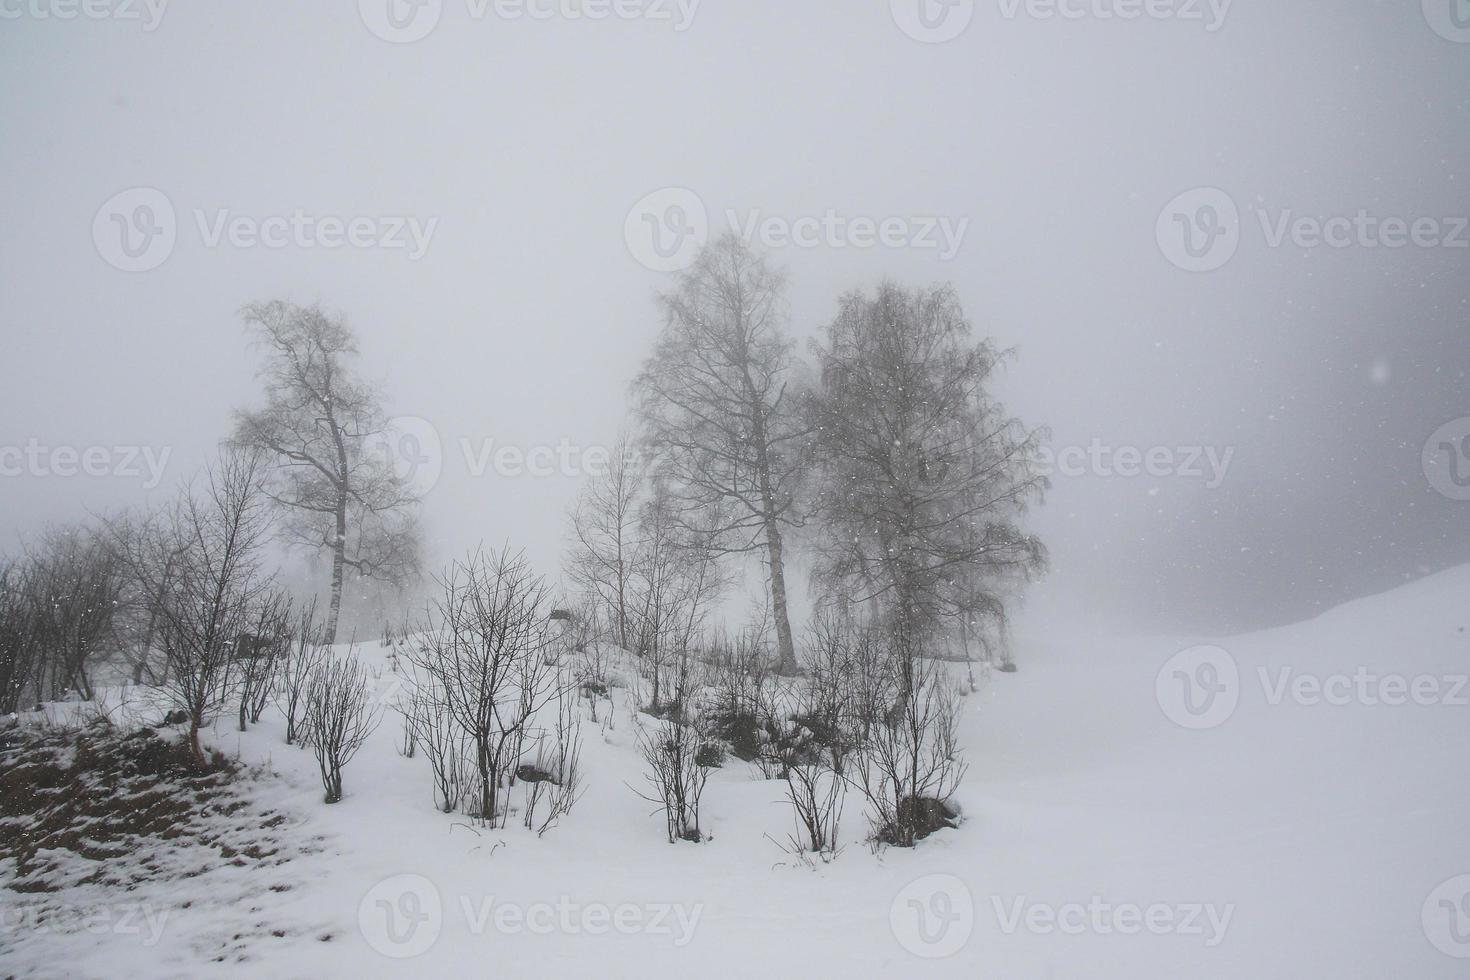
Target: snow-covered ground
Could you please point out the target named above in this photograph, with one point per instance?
(1130, 811)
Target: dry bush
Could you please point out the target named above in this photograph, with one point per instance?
(443, 742)
(340, 714)
(673, 753)
(910, 764)
(556, 775)
(258, 655)
(300, 655)
(482, 664)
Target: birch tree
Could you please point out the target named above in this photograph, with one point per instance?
(923, 475)
(336, 497)
(718, 411)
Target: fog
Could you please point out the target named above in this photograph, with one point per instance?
(1290, 392)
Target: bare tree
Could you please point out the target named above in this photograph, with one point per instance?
(604, 547)
(317, 420)
(143, 538)
(215, 585)
(676, 582)
(341, 714)
(923, 475)
(18, 624)
(483, 655)
(717, 410)
(77, 582)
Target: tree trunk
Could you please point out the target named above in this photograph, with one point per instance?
(786, 650)
(339, 548)
(786, 664)
(194, 745)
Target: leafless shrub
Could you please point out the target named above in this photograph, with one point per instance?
(557, 769)
(816, 795)
(408, 742)
(672, 753)
(341, 715)
(483, 656)
(300, 655)
(258, 655)
(910, 764)
(740, 680)
(443, 742)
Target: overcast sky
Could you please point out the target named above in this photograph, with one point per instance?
(1045, 153)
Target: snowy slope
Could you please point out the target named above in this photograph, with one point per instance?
(1102, 839)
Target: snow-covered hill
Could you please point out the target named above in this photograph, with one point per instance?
(1292, 803)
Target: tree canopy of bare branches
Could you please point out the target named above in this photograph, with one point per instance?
(718, 412)
(338, 497)
(215, 584)
(603, 553)
(923, 476)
